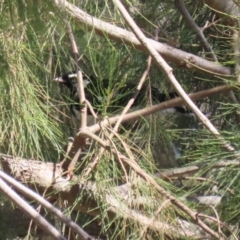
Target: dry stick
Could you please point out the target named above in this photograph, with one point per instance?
(123, 143)
(73, 162)
(128, 106)
(199, 32)
(68, 148)
(90, 107)
(79, 77)
(164, 204)
(158, 107)
(31, 194)
(32, 213)
(131, 101)
(207, 47)
(93, 163)
(101, 151)
(169, 73)
(115, 33)
(38, 209)
(219, 223)
(82, 98)
(236, 41)
(119, 160)
(162, 191)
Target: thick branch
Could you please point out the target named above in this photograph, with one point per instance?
(36, 197)
(115, 33)
(191, 170)
(159, 107)
(41, 175)
(30, 211)
(168, 71)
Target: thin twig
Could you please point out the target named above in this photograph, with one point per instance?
(79, 78)
(119, 160)
(219, 223)
(159, 107)
(27, 209)
(131, 101)
(156, 214)
(90, 107)
(68, 148)
(127, 150)
(169, 73)
(95, 161)
(73, 163)
(199, 32)
(31, 194)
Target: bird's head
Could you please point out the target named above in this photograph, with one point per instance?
(70, 80)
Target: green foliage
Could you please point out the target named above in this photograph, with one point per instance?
(35, 120)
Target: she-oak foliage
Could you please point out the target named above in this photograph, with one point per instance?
(35, 120)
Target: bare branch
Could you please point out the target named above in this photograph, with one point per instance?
(131, 101)
(180, 58)
(32, 213)
(43, 175)
(159, 107)
(30, 194)
(199, 32)
(82, 98)
(168, 71)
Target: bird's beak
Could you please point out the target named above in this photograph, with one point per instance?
(59, 80)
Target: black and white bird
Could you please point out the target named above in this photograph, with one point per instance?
(96, 94)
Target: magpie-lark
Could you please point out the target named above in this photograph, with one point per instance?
(95, 94)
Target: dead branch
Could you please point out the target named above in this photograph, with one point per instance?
(199, 32)
(206, 46)
(82, 98)
(36, 197)
(180, 58)
(190, 170)
(159, 107)
(41, 175)
(30, 211)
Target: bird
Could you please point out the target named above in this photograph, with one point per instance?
(96, 94)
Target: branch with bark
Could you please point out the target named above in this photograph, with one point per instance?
(177, 56)
(40, 176)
